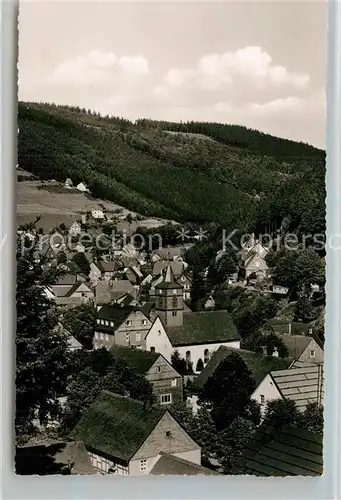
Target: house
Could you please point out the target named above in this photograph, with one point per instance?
(121, 325)
(171, 465)
(82, 187)
(177, 267)
(125, 437)
(75, 229)
(73, 344)
(196, 334)
(75, 296)
(301, 348)
(68, 183)
(108, 291)
(255, 264)
(209, 303)
(302, 385)
(167, 254)
(103, 270)
(126, 300)
(279, 290)
(97, 213)
(133, 274)
(166, 381)
(53, 457)
(283, 327)
(258, 364)
(282, 452)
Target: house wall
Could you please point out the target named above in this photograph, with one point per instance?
(257, 264)
(102, 465)
(126, 335)
(319, 354)
(158, 338)
(268, 389)
(163, 381)
(179, 444)
(197, 351)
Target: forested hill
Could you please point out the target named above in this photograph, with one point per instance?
(196, 172)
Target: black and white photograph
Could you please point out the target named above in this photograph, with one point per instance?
(171, 239)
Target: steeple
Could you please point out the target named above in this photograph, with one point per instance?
(169, 299)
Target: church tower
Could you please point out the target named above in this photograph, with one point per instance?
(169, 303)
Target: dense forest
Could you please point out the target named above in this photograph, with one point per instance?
(198, 172)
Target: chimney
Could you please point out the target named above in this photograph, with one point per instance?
(275, 352)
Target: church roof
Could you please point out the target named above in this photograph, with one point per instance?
(203, 328)
(168, 280)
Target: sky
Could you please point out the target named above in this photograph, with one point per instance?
(257, 64)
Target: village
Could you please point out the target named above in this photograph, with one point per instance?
(144, 315)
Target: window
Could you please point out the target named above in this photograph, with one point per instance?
(102, 336)
(107, 323)
(152, 349)
(128, 323)
(143, 465)
(138, 337)
(183, 278)
(159, 332)
(160, 291)
(165, 399)
(107, 337)
(98, 321)
(139, 347)
(168, 434)
(262, 399)
(188, 356)
(175, 302)
(144, 322)
(174, 291)
(111, 323)
(158, 369)
(173, 382)
(206, 356)
(83, 294)
(174, 313)
(127, 337)
(312, 354)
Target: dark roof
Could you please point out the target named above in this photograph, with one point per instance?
(138, 359)
(302, 385)
(53, 458)
(107, 267)
(175, 466)
(176, 266)
(257, 363)
(168, 253)
(116, 313)
(204, 328)
(296, 344)
(282, 327)
(283, 452)
(168, 280)
(116, 426)
(106, 291)
(67, 279)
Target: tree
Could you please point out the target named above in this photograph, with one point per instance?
(312, 418)
(233, 440)
(199, 288)
(200, 365)
(100, 371)
(281, 412)
(272, 342)
(81, 321)
(82, 262)
(304, 310)
(41, 359)
(61, 257)
(228, 390)
(178, 363)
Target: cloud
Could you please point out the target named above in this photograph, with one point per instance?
(95, 67)
(215, 70)
(135, 65)
(278, 105)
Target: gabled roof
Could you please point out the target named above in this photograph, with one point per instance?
(138, 359)
(75, 287)
(67, 279)
(176, 266)
(296, 344)
(168, 253)
(106, 291)
(282, 327)
(73, 343)
(116, 426)
(203, 328)
(168, 280)
(283, 452)
(52, 458)
(302, 385)
(107, 267)
(117, 314)
(257, 363)
(170, 465)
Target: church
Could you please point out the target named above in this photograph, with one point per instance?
(166, 327)
(195, 335)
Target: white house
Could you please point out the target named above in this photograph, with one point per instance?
(75, 229)
(302, 385)
(82, 187)
(128, 438)
(97, 213)
(157, 340)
